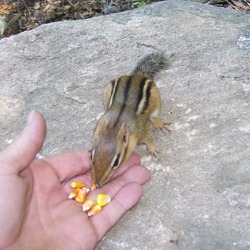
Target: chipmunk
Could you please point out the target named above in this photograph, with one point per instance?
(131, 103)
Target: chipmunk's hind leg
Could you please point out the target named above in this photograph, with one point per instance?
(155, 110)
(150, 146)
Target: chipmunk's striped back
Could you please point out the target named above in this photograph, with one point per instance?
(138, 85)
(144, 95)
(131, 91)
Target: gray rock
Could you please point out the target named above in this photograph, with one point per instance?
(199, 195)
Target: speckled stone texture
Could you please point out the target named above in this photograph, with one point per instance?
(199, 195)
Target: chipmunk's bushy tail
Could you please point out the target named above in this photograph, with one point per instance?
(150, 65)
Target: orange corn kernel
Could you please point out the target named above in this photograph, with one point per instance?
(88, 204)
(74, 193)
(81, 195)
(94, 210)
(77, 184)
(103, 199)
(93, 186)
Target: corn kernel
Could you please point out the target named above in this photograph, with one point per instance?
(94, 210)
(74, 193)
(88, 204)
(93, 186)
(77, 184)
(86, 189)
(81, 195)
(103, 199)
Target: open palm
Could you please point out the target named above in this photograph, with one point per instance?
(35, 210)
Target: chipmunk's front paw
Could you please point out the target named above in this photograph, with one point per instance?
(165, 127)
(159, 125)
(154, 153)
(151, 148)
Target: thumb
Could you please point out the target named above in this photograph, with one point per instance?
(20, 153)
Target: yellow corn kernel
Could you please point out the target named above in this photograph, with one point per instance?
(81, 195)
(74, 193)
(88, 204)
(103, 199)
(87, 189)
(93, 186)
(94, 210)
(77, 184)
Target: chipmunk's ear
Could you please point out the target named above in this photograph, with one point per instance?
(123, 134)
(100, 129)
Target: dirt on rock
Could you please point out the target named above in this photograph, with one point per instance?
(20, 15)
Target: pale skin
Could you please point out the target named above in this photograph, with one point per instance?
(35, 210)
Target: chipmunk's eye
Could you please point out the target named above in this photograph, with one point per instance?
(125, 138)
(115, 162)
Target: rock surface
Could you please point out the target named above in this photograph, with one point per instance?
(199, 195)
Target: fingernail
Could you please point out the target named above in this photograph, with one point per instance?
(30, 117)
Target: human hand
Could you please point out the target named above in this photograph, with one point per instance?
(35, 210)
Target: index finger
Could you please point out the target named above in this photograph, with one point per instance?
(71, 164)
(124, 200)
